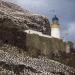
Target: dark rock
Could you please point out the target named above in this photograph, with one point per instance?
(12, 15)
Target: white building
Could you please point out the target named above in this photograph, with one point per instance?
(29, 31)
(55, 27)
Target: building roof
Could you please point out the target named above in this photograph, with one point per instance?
(55, 18)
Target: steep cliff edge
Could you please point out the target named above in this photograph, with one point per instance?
(13, 15)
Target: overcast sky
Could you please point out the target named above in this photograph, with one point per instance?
(64, 9)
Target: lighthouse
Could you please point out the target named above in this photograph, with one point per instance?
(55, 27)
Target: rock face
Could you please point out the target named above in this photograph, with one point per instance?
(12, 15)
(14, 20)
(14, 64)
(14, 60)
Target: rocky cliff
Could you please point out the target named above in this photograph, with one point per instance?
(14, 63)
(12, 15)
(15, 57)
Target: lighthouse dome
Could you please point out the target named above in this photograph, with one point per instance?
(55, 18)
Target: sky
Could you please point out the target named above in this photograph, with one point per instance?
(64, 9)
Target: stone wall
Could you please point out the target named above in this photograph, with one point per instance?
(36, 44)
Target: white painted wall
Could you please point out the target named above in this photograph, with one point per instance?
(36, 32)
(55, 32)
(32, 32)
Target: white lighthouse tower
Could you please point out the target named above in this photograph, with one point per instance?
(55, 27)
